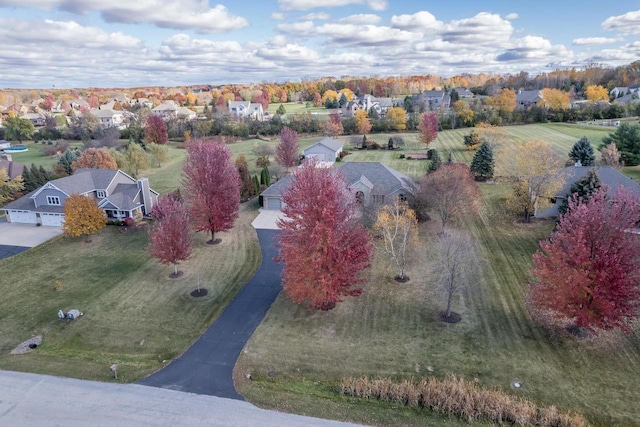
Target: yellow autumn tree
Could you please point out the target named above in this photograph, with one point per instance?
(9, 186)
(190, 98)
(555, 99)
(363, 124)
(534, 170)
(397, 118)
(330, 94)
(494, 135)
(595, 93)
(82, 217)
(399, 229)
(504, 100)
(348, 93)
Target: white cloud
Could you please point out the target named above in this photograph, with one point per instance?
(305, 28)
(278, 16)
(629, 23)
(313, 4)
(511, 16)
(594, 40)
(177, 14)
(420, 21)
(365, 35)
(482, 29)
(363, 18)
(288, 53)
(316, 16)
(535, 48)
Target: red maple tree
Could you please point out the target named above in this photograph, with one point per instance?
(288, 151)
(169, 238)
(211, 187)
(589, 270)
(428, 128)
(155, 130)
(322, 245)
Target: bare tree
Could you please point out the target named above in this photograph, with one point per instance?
(454, 264)
(399, 228)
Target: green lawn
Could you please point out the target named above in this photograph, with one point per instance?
(392, 330)
(36, 156)
(134, 315)
(296, 108)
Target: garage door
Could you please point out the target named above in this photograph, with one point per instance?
(274, 203)
(26, 217)
(52, 219)
(318, 157)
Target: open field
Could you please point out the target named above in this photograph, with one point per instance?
(296, 108)
(134, 315)
(393, 330)
(35, 156)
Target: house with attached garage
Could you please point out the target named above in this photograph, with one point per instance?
(119, 195)
(371, 183)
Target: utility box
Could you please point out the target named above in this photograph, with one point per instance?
(73, 314)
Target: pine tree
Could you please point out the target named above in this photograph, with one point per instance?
(582, 190)
(482, 163)
(281, 110)
(265, 177)
(67, 159)
(28, 180)
(435, 162)
(582, 152)
(44, 175)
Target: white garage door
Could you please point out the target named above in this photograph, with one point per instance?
(25, 217)
(274, 203)
(52, 219)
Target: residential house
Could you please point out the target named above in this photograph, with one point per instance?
(79, 103)
(528, 98)
(186, 114)
(431, 100)
(36, 119)
(144, 102)
(246, 110)
(110, 118)
(325, 150)
(612, 178)
(463, 92)
(167, 110)
(371, 183)
(13, 169)
(116, 193)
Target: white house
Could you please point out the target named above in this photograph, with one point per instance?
(110, 118)
(325, 150)
(246, 109)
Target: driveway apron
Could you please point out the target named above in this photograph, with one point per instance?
(207, 366)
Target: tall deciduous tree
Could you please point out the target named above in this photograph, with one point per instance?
(137, 158)
(211, 187)
(504, 100)
(362, 122)
(94, 158)
(82, 217)
(155, 130)
(454, 265)
(428, 128)
(595, 93)
(596, 283)
(159, 153)
(534, 167)
(610, 155)
(333, 125)
(170, 240)
(397, 118)
(582, 152)
(17, 129)
(322, 245)
(399, 229)
(263, 151)
(482, 164)
(450, 192)
(247, 188)
(555, 98)
(288, 150)
(8, 187)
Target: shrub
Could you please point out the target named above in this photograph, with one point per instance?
(456, 396)
(129, 222)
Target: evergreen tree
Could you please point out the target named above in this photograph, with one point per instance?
(482, 163)
(67, 159)
(27, 180)
(449, 157)
(583, 188)
(44, 175)
(256, 184)
(582, 152)
(435, 162)
(265, 177)
(281, 110)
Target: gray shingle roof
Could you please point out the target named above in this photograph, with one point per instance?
(385, 180)
(84, 180)
(609, 176)
(123, 196)
(528, 96)
(278, 188)
(329, 143)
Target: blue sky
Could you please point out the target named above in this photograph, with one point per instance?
(128, 43)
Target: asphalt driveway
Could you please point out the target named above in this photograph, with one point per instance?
(207, 366)
(15, 238)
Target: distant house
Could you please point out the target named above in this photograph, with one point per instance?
(185, 113)
(609, 176)
(371, 184)
(528, 98)
(368, 103)
(167, 110)
(246, 110)
(463, 92)
(325, 150)
(13, 169)
(117, 194)
(110, 118)
(431, 100)
(36, 119)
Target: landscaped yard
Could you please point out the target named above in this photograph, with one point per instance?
(134, 315)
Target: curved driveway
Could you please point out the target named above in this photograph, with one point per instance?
(207, 366)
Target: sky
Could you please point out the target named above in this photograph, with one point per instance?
(134, 43)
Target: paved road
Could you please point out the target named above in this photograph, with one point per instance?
(6, 250)
(41, 400)
(207, 366)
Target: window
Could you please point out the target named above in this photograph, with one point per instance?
(53, 200)
(360, 197)
(101, 194)
(378, 200)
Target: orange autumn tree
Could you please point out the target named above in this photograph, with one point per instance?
(363, 124)
(83, 217)
(94, 158)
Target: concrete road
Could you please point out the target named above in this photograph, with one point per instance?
(6, 251)
(207, 366)
(40, 400)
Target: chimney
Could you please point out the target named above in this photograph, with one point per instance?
(143, 186)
